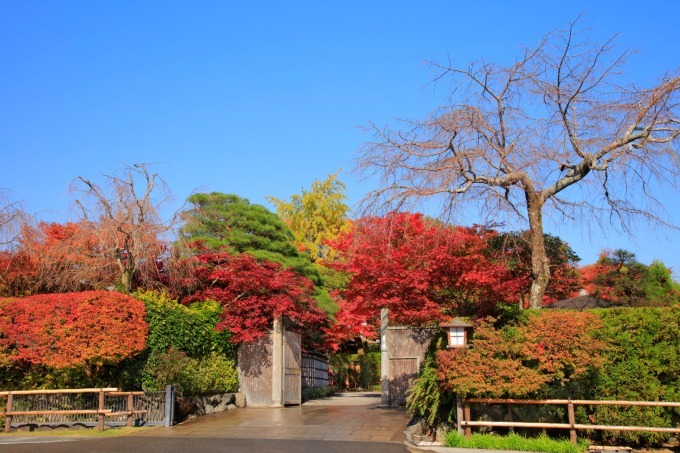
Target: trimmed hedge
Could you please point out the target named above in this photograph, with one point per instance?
(640, 352)
(643, 363)
(190, 329)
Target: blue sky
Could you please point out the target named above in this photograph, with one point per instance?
(261, 98)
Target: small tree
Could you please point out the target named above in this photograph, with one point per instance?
(315, 216)
(125, 217)
(519, 140)
(12, 216)
(252, 293)
(421, 269)
(227, 222)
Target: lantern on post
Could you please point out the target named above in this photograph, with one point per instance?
(458, 332)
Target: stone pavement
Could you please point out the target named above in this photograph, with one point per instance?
(347, 399)
(350, 417)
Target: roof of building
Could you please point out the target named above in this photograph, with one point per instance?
(582, 303)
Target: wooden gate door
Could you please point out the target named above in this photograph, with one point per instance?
(292, 377)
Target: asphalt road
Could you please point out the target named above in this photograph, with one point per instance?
(133, 444)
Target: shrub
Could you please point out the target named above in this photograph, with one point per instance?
(425, 398)
(85, 330)
(548, 349)
(355, 370)
(211, 374)
(189, 329)
(312, 393)
(643, 363)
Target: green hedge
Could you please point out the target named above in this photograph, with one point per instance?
(189, 329)
(183, 348)
(643, 363)
(641, 355)
(213, 373)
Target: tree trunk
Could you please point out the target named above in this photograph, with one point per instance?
(126, 277)
(540, 269)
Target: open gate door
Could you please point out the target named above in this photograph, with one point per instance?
(292, 376)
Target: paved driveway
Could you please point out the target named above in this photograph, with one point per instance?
(351, 417)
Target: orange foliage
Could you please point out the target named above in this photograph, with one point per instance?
(73, 329)
(516, 361)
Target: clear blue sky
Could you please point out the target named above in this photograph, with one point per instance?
(261, 98)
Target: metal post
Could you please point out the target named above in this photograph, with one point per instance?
(8, 418)
(169, 404)
(384, 358)
(459, 415)
(277, 363)
(100, 415)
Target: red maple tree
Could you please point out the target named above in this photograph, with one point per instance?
(419, 268)
(88, 329)
(252, 293)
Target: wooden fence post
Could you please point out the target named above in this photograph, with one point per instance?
(130, 408)
(277, 362)
(385, 399)
(459, 415)
(467, 417)
(100, 416)
(572, 422)
(8, 418)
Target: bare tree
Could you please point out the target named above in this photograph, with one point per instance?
(12, 216)
(551, 133)
(125, 217)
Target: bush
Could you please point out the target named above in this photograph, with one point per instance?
(549, 349)
(425, 398)
(189, 329)
(643, 363)
(356, 370)
(211, 374)
(634, 354)
(312, 393)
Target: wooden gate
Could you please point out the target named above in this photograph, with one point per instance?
(406, 348)
(256, 370)
(292, 378)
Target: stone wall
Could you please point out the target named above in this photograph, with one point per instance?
(192, 407)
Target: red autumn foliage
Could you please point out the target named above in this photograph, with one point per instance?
(514, 249)
(16, 272)
(253, 293)
(516, 361)
(421, 269)
(87, 329)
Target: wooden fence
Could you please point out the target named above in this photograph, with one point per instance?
(88, 407)
(314, 370)
(466, 423)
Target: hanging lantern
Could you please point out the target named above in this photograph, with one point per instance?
(458, 331)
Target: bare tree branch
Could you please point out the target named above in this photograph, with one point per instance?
(514, 138)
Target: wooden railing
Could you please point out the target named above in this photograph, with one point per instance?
(466, 423)
(101, 412)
